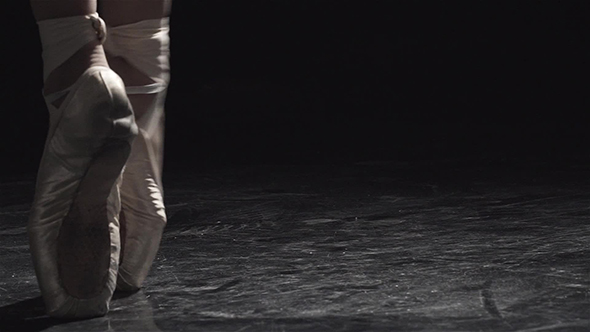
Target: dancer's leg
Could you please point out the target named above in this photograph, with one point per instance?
(73, 226)
(138, 50)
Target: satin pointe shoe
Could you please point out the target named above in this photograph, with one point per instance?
(145, 46)
(73, 226)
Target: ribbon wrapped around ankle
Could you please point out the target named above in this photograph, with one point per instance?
(144, 45)
(63, 37)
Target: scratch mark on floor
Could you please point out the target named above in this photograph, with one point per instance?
(487, 299)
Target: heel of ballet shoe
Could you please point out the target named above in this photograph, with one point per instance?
(74, 227)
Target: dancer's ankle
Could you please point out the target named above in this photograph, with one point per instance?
(131, 76)
(91, 55)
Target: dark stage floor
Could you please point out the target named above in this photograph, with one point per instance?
(361, 247)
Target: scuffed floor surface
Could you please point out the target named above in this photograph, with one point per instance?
(364, 247)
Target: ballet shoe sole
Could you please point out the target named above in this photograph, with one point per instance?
(83, 245)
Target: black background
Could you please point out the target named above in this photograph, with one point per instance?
(326, 81)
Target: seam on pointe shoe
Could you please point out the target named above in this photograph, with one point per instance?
(111, 102)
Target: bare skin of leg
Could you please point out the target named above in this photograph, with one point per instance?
(122, 12)
(90, 55)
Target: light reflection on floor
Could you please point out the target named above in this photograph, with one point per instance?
(365, 247)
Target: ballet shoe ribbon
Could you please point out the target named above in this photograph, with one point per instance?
(100, 26)
(63, 37)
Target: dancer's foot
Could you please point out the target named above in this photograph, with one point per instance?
(139, 53)
(73, 227)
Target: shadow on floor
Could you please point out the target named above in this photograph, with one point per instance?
(29, 315)
(26, 315)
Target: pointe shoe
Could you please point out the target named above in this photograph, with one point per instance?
(145, 46)
(143, 215)
(73, 226)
